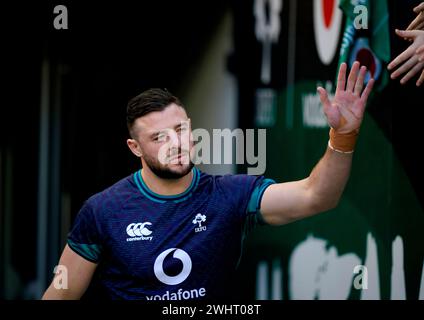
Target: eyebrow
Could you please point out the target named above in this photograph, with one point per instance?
(155, 134)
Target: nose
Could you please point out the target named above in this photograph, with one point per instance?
(174, 139)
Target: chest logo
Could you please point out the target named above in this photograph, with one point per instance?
(182, 275)
(139, 231)
(199, 219)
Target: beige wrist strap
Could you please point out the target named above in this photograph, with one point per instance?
(342, 143)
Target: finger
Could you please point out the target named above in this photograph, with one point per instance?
(332, 116)
(407, 33)
(367, 91)
(411, 73)
(405, 67)
(421, 57)
(401, 58)
(419, 8)
(353, 75)
(420, 79)
(323, 96)
(341, 79)
(360, 82)
(412, 25)
(420, 49)
(416, 23)
(420, 26)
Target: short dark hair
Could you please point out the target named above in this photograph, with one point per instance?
(151, 100)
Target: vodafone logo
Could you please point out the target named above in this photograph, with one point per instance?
(327, 25)
(184, 273)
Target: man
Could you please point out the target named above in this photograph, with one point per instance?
(172, 232)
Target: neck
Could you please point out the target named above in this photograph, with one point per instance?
(166, 187)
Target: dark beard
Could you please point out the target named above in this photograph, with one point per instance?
(166, 173)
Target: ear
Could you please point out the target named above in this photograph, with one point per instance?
(134, 147)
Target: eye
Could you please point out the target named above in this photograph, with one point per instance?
(159, 138)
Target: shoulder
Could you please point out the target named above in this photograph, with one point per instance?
(113, 197)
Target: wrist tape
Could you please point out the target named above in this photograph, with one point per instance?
(342, 143)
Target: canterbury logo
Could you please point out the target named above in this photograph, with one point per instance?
(139, 231)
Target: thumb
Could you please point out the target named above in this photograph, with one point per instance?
(331, 112)
(323, 96)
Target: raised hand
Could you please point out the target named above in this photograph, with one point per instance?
(345, 112)
(418, 22)
(409, 60)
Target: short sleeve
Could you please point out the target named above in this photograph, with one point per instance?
(84, 237)
(253, 213)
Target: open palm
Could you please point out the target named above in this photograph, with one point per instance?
(345, 112)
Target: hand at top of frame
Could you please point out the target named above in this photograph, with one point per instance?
(411, 60)
(418, 22)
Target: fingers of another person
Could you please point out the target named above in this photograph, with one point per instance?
(419, 8)
(401, 58)
(406, 66)
(420, 79)
(412, 72)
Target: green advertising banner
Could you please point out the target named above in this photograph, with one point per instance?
(371, 245)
